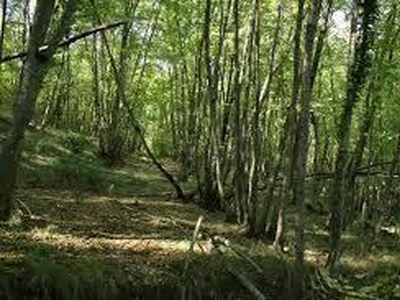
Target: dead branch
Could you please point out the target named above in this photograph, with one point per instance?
(192, 243)
(67, 41)
(25, 207)
(246, 283)
(218, 244)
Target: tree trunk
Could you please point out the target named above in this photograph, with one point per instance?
(238, 177)
(33, 73)
(357, 74)
(3, 26)
(255, 170)
(300, 154)
(132, 119)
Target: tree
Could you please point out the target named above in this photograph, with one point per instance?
(3, 25)
(33, 72)
(300, 154)
(358, 73)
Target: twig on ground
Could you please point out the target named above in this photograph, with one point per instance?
(240, 277)
(25, 207)
(192, 243)
(189, 254)
(237, 252)
(246, 257)
(247, 283)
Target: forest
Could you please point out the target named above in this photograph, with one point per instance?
(200, 149)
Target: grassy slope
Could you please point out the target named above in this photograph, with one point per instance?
(82, 231)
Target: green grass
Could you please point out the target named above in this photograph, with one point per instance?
(62, 161)
(68, 161)
(45, 274)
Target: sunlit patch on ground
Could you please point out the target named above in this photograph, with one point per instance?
(134, 225)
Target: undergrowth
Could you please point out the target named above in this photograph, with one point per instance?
(41, 275)
(37, 269)
(67, 161)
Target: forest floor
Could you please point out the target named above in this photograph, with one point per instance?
(81, 231)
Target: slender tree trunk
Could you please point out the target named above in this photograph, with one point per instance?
(257, 227)
(33, 73)
(3, 26)
(97, 107)
(131, 115)
(212, 180)
(287, 134)
(239, 171)
(300, 155)
(27, 22)
(357, 74)
(255, 170)
(357, 158)
(392, 200)
(53, 101)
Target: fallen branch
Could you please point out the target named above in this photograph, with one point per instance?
(240, 277)
(247, 284)
(190, 253)
(218, 243)
(192, 243)
(247, 258)
(25, 207)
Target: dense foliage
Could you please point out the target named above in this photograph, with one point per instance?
(264, 105)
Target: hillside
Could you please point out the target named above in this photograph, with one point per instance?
(82, 231)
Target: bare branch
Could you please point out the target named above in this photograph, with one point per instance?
(66, 41)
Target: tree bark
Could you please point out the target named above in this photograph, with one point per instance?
(3, 26)
(255, 170)
(300, 154)
(33, 73)
(238, 177)
(358, 72)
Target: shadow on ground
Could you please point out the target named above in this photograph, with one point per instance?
(98, 247)
(84, 232)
